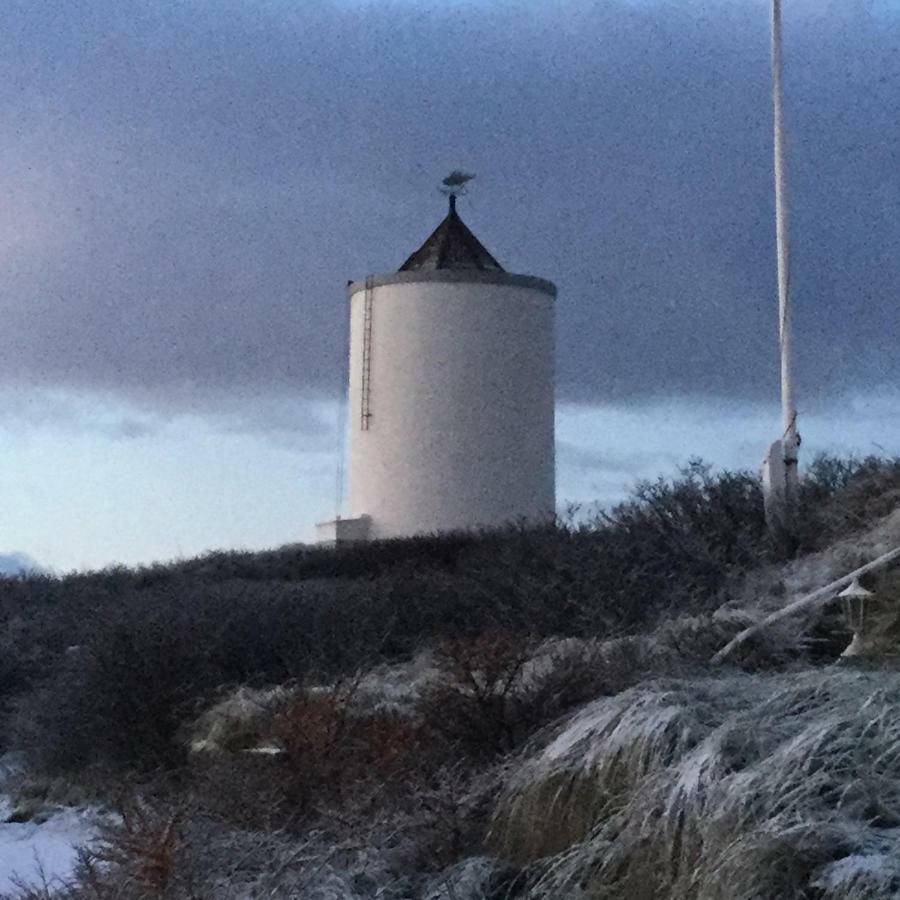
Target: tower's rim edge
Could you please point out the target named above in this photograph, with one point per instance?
(455, 276)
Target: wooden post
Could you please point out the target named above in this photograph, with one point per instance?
(817, 598)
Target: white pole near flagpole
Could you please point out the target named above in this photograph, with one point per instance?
(782, 473)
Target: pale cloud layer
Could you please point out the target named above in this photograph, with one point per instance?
(87, 489)
(106, 482)
(603, 451)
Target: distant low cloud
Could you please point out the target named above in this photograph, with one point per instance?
(602, 452)
(186, 188)
(17, 564)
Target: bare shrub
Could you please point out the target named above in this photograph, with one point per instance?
(497, 689)
(331, 749)
(146, 845)
(478, 705)
(841, 496)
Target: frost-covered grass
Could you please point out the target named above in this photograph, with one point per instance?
(732, 787)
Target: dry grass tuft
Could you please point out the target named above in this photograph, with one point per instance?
(243, 720)
(598, 758)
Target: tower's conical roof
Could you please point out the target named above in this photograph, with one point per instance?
(451, 246)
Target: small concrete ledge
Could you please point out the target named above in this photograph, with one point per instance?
(343, 531)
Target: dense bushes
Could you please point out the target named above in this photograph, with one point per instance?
(121, 698)
(842, 495)
(108, 666)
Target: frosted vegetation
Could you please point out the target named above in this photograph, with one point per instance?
(780, 785)
(522, 714)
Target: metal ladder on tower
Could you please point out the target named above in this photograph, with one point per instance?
(366, 381)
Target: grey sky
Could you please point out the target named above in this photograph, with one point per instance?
(188, 186)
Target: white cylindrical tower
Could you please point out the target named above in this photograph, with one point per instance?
(451, 392)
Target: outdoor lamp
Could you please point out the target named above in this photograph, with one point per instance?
(856, 607)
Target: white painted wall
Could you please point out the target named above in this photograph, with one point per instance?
(461, 402)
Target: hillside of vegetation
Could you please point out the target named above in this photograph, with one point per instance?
(528, 713)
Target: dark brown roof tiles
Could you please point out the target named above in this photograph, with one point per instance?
(451, 246)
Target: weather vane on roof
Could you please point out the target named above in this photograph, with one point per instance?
(455, 183)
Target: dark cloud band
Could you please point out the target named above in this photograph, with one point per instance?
(188, 187)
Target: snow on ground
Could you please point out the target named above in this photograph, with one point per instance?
(31, 853)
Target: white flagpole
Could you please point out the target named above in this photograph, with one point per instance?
(782, 482)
